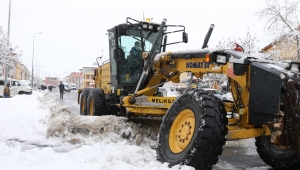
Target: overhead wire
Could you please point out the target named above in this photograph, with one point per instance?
(26, 42)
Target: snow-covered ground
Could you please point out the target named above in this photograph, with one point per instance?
(35, 134)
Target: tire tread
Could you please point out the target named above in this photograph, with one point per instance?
(210, 135)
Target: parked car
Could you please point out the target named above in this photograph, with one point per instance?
(16, 86)
(72, 86)
(227, 96)
(219, 94)
(215, 92)
(66, 85)
(27, 82)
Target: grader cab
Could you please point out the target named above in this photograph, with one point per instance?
(197, 124)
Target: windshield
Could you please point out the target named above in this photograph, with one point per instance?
(24, 83)
(131, 44)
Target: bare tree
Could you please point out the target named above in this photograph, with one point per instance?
(283, 25)
(8, 54)
(248, 43)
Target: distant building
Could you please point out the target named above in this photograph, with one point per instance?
(16, 71)
(52, 80)
(87, 79)
(21, 72)
(283, 48)
(75, 78)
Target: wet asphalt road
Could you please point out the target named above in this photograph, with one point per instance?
(69, 99)
(237, 155)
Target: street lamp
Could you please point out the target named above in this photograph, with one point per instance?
(8, 36)
(32, 60)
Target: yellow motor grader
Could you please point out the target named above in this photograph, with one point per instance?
(197, 124)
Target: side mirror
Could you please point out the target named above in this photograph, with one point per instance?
(185, 37)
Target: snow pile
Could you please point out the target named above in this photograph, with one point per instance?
(46, 100)
(21, 119)
(24, 143)
(77, 129)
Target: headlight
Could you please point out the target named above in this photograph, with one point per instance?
(150, 27)
(145, 25)
(221, 59)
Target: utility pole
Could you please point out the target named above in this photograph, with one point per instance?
(8, 34)
(32, 59)
(36, 75)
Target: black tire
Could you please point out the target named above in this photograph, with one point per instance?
(96, 102)
(207, 138)
(83, 100)
(21, 92)
(275, 157)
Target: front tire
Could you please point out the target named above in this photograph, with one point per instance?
(277, 157)
(193, 131)
(21, 92)
(83, 101)
(96, 102)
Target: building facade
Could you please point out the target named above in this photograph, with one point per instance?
(52, 81)
(21, 72)
(87, 78)
(284, 47)
(16, 71)
(75, 78)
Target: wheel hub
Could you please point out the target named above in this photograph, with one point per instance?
(182, 131)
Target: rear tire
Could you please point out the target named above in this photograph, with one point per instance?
(96, 102)
(284, 158)
(193, 131)
(83, 101)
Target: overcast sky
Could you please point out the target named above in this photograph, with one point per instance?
(73, 31)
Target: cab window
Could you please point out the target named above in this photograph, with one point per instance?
(132, 65)
(133, 47)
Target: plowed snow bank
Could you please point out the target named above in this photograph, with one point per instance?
(80, 129)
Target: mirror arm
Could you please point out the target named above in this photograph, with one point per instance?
(174, 31)
(175, 42)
